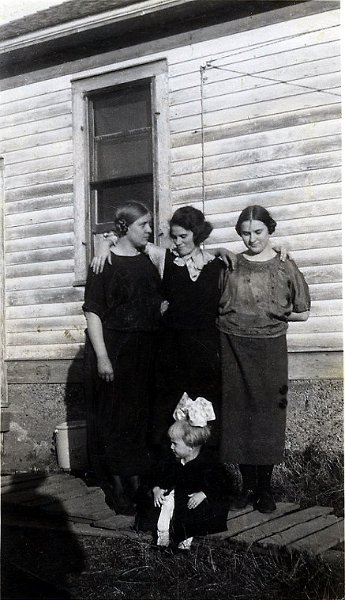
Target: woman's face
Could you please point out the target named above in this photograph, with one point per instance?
(183, 240)
(139, 232)
(255, 236)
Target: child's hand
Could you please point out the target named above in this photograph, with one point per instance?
(195, 499)
(158, 496)
(164, 307)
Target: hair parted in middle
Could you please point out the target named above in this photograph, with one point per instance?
(127, 213)
(191, 435)
(192, 219)
(256, 213)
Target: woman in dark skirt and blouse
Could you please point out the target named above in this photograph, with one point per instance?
(258, 299)
(122, 309)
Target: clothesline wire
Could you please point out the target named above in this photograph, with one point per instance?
(259, 45)
(299, 85)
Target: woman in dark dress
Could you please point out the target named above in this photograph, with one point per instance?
(122, 309)
(188, 358)
(258, 299)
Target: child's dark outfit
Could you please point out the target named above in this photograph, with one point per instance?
(199, 475)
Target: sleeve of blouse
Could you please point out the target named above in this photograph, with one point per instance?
(95, 296)
(157, 257)
(300, 290)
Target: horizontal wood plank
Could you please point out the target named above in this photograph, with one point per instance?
(39, 216)
(54, 295)
(40, 268)
(42, 190)
(65, 159)
(316, 365)
(266, 529)
(316, 341)
(36, 127)
(45, 371)
(41, 255)
(44, 310)
(55, 240)
(318, 324)
(43, 151)
(17, 107)
(319, 542)
(253, 519)
(67, 336)
(46, 323)
(55, 109)
(299, 531)
(45, 352)
(15, 144)
(40, 282)
(260, 124)
(40, 203)
(38, 178)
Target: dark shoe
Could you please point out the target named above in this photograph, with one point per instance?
(265, 503)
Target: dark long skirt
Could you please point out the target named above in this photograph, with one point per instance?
(118, 412)
(187, 361)
(255, 385)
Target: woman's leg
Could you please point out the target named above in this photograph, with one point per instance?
(249, 487)
(265, 502)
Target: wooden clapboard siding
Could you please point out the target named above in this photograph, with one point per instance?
(15, 108)
(37, 165)
(39, 216)
(40, 282)
(265, 142)
(35, 311)
(45, 351)
(40, 203)
(56, 109)
(258, 155)
(47, 323)
(44, 151)
(46, 296)
(67, 336)
(40, 268)
(49, 253)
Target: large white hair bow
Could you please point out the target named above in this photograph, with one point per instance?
(197, 412)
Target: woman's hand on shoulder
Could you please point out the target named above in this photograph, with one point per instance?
(229, 258)
(284, 253)
(105, 369)
(103, 252)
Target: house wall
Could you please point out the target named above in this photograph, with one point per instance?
(254, 118)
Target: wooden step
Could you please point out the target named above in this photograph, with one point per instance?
(253, 519)
(321, 541)
(277, 525)
(300, 531)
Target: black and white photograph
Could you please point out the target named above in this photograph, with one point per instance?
(171, 367)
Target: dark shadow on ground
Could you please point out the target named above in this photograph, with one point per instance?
(31, 538)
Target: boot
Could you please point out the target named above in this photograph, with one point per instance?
(246, 495)
(264, 502)
(120, 501)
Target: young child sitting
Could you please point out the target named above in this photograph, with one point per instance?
(190, 490)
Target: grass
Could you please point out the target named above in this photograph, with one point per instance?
(312, 477)
(126, 568)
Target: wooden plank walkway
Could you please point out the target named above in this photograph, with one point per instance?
(62, 500)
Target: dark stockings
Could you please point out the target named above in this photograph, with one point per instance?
(256, 478)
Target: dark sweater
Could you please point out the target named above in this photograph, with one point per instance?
(192, 304)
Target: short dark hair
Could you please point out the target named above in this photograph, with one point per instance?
(192, 219)
(256, 213)
(125, 214)
(192, 436)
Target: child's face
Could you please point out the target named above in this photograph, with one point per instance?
(179, 448)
